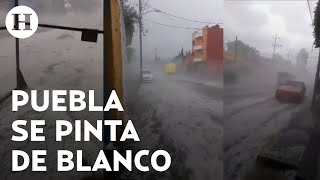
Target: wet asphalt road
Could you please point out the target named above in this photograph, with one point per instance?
(184, 116)
(252, 116)
(180, 114)
(50, 60)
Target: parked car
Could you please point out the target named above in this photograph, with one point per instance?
(291, 91)
(147, 76)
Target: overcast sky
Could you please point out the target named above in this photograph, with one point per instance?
(255, 22)
(169, 41)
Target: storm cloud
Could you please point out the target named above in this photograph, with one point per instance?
(168, 40)
(255, 22)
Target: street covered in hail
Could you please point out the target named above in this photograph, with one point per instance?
(172, 90)
(192, 90)
(269, 74)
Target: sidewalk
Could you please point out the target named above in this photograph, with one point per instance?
(293, 153)
(310, 164)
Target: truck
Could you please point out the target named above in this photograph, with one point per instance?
(170, 68)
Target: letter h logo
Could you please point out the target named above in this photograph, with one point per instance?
(19, 16)
(17, 21)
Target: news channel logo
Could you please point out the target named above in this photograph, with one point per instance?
(22, 22)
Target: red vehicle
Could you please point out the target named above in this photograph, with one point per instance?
(291, 91)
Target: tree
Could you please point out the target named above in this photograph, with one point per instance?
(302, 58)
(303, 54)
(316, 25)
(277, 57)
(131, 17)
(243, 50)
(130, 53)
(182, 52)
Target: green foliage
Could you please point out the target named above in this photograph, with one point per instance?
(180, 57)
(316, 25)
(302, 58)
(131, 17)
(130, 54)
(303, 54)
(182, 52)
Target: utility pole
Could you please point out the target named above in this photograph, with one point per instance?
(140, 36)
(21, 82)
(289, 52)
(236, 49)
(275, 45)
(155, 54)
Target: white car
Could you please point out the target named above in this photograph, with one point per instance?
(147, 76)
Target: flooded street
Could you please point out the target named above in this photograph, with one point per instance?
(223, 89)
(180, 113)
(54, 59)
(253, 115)
(183, 117)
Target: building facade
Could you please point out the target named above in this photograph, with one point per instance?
(207, 50)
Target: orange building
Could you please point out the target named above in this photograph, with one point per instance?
(207, 48)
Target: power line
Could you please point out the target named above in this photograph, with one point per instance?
(169, 14)
(145, 4)
(167, 25)
(163, 12)
(172, 26)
